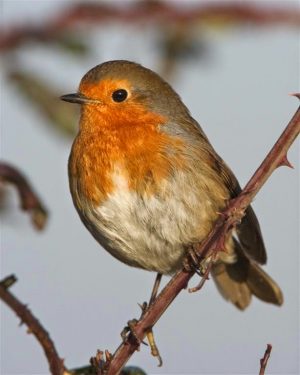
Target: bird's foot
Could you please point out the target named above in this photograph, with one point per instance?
(149, 334)
(129, 333)
(194, 263)
(204, 278)
(153, 346)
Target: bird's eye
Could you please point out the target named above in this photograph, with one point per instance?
(119, 95)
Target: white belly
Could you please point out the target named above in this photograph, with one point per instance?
(152, 231)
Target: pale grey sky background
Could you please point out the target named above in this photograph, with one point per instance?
(80, 293)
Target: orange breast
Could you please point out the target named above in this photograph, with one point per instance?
(127, 138)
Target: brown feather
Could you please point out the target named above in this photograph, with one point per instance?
(250, 237)
(263, 286)
(235, 291)
(248, 231)
(238, 281)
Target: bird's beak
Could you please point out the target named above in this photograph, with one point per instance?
(76, 98)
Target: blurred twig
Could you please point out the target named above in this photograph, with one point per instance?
(264, 360)
(46, 100)
(180, 36)
(29, 199)
(34, 326)
(214, 243)
(158, 12)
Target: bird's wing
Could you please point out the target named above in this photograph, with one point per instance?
(249, 233)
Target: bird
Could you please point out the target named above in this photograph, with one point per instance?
(148, 185)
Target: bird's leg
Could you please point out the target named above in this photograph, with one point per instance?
(153, 346)
(193, 263)
(205, 276)
(202, 266)
(149, 333)
(130, 328)
(145, 306)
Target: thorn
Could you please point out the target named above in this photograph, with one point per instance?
(284, 162)
(108, 355)
(143, 306)
(296, 94)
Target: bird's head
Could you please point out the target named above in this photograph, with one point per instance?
(123, 91)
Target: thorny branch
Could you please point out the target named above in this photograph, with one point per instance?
(148, 12)
(264, 360)
(229, 218)
(56, 364)
(29, 199)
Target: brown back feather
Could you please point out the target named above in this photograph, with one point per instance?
(248, 231)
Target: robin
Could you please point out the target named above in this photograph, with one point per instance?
(147, 183)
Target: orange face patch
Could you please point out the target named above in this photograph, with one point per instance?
(125, 134)
(104, 89)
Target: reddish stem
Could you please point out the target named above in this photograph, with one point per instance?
(56, 365)
(264, 360)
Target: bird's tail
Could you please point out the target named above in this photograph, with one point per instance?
(237, 282)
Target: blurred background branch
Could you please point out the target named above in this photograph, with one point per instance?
(181, 36)
(152, 12)
(29, 199)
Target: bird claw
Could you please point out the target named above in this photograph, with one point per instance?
(129, 332)
(193, 262)
(153, 347)
(150, 336)
(205, 275)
